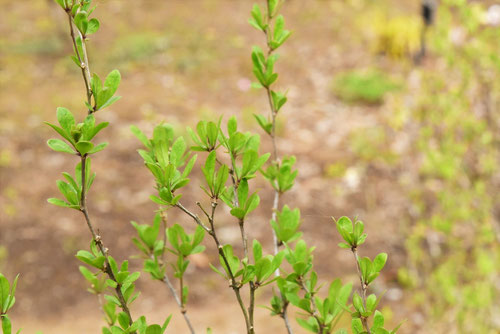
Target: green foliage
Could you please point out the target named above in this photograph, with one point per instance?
(77, 135)
(351, 233)
(111, 279)
(104, 93)
(287, 224)
(206, 136)
(231, 161)
(164, 157)
(453, 230)
(72, 190)
(282, 177)
(368, 86)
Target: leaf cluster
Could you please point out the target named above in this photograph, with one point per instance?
(78, 136)
(7, 300)
(244, 272)
(164, 157)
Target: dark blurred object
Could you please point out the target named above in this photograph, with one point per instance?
(428, 12)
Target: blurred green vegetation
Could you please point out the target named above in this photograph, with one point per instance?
(363, 86)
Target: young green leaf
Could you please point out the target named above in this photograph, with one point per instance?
(65, 119)
(60, 146)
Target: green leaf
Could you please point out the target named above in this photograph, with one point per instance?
(65, 119)
(189, 166)
(59, 202)
(165, 324)
(254, 23)
(61, 132)
(233, 261)
(287, 224)
(238, 213)
(252, 203)
(163, 132)
(257, 20)
(4, 293)
(357, 301)
(379, 262)
(60, 146)
(13, 291)
(105, 96)
(6, 324)
(212, 134)
(177, 151)
(69, 193)
(81, 22)
(93, 26)
(264, 123)
(263, 268)
(96, 84)
(344, 227)
(397, 327)
(243, 192)
(84, 147)
(185, 293)
(89, 276)
(88, 127)
(154, 329)
(358, 229)
(209, 169)
(98, 148)
(257, 250)
(378, 320)
(141, 136)
(232, 126)
(371, 303)
(97, 129)
(113, 81)
(273, 6)
(90, 259)
(310, 324)
(198, 236)
(124, 320)
(356, 326)
(62, 3)
(110, 102)
(279, 99)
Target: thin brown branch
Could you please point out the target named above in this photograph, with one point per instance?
(98, 240)
(194, 216)
(314, 312)
(276, 160)
(284, 315)
(241, 222)
(82, 59)
(212, 232)
(251, 307)
(179, 302)
(244, 238)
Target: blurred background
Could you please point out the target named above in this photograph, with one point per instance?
(392, 118)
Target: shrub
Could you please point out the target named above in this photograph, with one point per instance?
(453, 241)
(232, 160)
